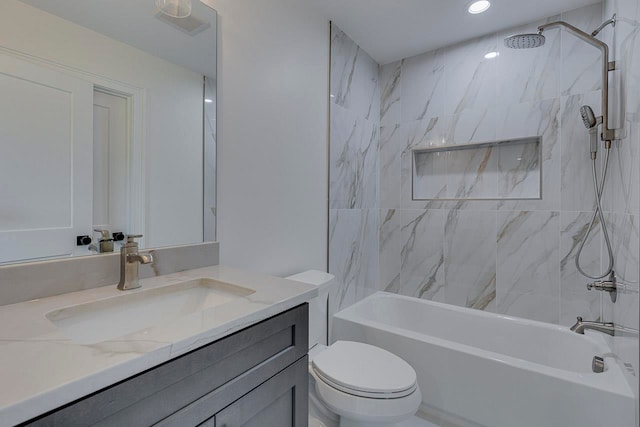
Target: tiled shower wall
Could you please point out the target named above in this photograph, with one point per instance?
(353, 173)
(624, 187)
(511, 256)
(210, 138)
(515, 256)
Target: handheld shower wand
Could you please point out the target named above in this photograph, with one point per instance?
(588, 118)
(592, 122)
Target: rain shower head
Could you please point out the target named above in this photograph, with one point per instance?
(524, 41)
(588, 118)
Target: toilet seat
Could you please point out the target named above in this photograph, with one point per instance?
(365, 410)
(365, 371)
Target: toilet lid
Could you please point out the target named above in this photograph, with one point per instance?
(364, 370)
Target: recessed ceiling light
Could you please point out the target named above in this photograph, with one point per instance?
(479, 6)
(207, 100)
(492, 55)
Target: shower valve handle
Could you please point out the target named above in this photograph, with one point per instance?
(610, 286)
(605, 286)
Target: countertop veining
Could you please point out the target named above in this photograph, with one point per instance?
(42, 369)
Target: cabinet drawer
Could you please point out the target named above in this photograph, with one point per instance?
(280, 402)
(153, 395)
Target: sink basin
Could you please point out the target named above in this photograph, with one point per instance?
(110, 318)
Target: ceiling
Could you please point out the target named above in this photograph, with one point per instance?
(134, 22)
(394, 29)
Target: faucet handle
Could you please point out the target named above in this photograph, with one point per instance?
(610, 286)
(131, 237)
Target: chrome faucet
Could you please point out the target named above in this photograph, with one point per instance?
(129, 263)
(581, 326)
(105, 244)
(610, 286)
(607, 328)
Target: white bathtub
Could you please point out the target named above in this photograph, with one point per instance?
(476, 368)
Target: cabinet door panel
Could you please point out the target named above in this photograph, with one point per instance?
(279, 402)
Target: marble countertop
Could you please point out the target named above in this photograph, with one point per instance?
(42, 369)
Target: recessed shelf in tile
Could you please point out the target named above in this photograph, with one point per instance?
(496, 170)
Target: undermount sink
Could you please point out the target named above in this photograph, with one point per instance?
(110, 318)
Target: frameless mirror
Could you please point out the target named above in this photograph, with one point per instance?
(107, 125)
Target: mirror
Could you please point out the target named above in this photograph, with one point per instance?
(107, 122)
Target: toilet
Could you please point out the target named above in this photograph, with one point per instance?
(353, 384)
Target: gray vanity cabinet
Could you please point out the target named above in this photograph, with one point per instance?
(279, 402)
(255, 377)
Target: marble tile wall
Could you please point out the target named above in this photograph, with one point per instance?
(210, 152)
(353, 170)
(514, 257)
(509, 256)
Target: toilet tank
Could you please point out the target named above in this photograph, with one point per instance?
(318, 306)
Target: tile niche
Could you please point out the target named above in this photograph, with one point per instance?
(497, 170)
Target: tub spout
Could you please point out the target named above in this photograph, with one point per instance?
(607, 328)
(581, 326)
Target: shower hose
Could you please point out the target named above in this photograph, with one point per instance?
(598, 215)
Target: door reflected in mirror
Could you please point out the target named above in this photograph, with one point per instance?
(107, 126)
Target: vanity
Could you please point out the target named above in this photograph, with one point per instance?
(212, 346)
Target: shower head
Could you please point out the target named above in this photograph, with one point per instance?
(591, 122)
(588, 118)
(524, 41)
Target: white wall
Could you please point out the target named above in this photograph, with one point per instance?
(272, 122)
(173, 119)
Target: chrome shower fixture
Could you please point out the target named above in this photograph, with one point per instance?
(591, 122)
(611, 21)
(527, 41)
(588, 118)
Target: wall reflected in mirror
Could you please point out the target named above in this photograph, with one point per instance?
(107, 126)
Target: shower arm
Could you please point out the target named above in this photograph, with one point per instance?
(607, 135)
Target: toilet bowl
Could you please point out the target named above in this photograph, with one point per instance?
(353, 384)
